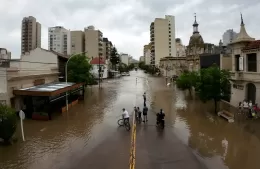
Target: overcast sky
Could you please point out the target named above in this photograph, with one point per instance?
(127, 22)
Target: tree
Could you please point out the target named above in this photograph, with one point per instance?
(114, 58)
(213, 84)
(187, 80)
(79, 69)
(7, 122)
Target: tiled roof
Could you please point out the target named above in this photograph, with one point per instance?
(253, 45)
(95, 61)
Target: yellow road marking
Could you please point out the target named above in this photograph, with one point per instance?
(132, 146)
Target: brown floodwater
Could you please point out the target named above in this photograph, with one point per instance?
(62, 142)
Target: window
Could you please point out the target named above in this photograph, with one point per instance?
(251, 62)
(237, 62)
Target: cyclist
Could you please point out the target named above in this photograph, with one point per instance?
(125, 115)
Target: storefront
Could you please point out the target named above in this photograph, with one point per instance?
(43, 100)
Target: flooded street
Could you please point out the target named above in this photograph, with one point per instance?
(91, 126)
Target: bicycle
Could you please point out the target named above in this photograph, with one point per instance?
(125, 123)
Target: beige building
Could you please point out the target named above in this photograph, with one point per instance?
(162, 37)
(245, 75)
(107, 47)
(147, 54)
(31, 34)
(77, 42)
(93, 42)
(141, 59)
(170, 66)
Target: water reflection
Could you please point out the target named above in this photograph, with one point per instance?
(57, 143)
(221, 144)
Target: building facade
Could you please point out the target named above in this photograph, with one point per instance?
(39, 66)
(172, 66)
(93, 42)
(31, 34)
(59, 40)
(228, 37)
(124, 58)
(107, 47)
(180, 48)
(245, 76)
(101, 64)
(147, 54)
(162, 37)
(77, 42)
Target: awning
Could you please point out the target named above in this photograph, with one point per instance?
(49, 89)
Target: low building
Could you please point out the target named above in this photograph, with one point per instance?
(245, 77)
(141, 59)
(102, 64)
(37, 67)
(172, 66)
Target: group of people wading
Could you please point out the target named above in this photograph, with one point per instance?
(250, 108)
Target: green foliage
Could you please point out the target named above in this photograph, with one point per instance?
(124, 68)
(187, 80)
(8, 122)
(79, 69)
(148, 68)
(210, 84)
(114, 58)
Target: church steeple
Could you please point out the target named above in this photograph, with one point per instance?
(195, 25)
(242, 35)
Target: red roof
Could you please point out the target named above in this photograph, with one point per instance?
(95, 61)
(253, 45)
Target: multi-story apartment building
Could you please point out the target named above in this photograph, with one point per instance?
(59, 40)
(124, 58)
(107, 47)
(245, 76)
(77, 42)
(162, 37)
(228, 37)
(147, 54)
(31, 34)
(93, 42)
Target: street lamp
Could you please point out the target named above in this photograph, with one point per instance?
(66, 76)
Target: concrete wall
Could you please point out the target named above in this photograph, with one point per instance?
(147, 57)
(37, 61)
(3, 86)
(77, 42)
(226, 62)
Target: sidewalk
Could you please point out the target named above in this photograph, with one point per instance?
(156, 149)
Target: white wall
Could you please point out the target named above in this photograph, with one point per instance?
(95, 71)
(124, 58)
(38, 61)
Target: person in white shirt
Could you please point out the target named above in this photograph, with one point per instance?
(125, 115)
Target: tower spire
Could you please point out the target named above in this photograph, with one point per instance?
(195, 25)
(242, 21)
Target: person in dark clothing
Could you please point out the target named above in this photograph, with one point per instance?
(139, 113)
(160, 117)
(145, 111)
(144, 96)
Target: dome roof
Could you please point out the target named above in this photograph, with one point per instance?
(196, 40)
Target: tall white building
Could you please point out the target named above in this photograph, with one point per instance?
(124, 58)
(60, 40)
(162, 37)
(229, 36)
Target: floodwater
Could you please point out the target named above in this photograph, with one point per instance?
(64, 141)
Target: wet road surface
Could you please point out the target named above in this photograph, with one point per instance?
(88, 136)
